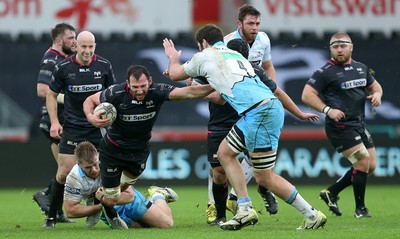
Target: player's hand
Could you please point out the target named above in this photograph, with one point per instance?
(96, 120)
(310, 117)
(166, 73)
(375, 99)
(100, 194)
(170, 50)
(336, 114)
(56, 130)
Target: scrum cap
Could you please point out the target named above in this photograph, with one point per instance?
(240, 46)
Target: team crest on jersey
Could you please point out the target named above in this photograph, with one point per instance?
(97, 74)
(354, 83)
(149, 104)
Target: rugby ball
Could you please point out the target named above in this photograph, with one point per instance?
(109, 111)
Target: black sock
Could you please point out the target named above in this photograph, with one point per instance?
(47, 190)
(359, 186)
(220, 193)
(232, 197)
(262, 189)
(342, 183)
(56, 198)
(110, 211)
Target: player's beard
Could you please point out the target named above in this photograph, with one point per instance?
(342, 59)
(68, 50)
(248, 36)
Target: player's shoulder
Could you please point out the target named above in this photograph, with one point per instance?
(52, 57)
(230, 36)
(263, 37)
(102, 60)
(355, 63)
(74, 174)
(116, 90)
(158, 87)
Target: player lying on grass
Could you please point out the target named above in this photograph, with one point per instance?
(83, 183)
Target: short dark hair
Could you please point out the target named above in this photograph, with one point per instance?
(240, 46)
(247, 9)
(59, 30)
(211, 33)
(137, 71)
(86, 152)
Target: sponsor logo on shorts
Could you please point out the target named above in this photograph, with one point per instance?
(353, 84)
(139, 117)
(85, 88)
(69, 142)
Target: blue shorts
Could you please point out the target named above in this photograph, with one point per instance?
(262, 126)
(132, 211)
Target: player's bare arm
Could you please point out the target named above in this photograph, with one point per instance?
(175, 70)
(51, 104)
(190, 92)
(311, 98)
(376, 93)
(76, 209)
(290, 106)
(88, 106)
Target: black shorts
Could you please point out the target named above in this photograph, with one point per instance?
(343, 137)
(71, 137)
(214, 139)
(114, 161)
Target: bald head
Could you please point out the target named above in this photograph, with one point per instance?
(85, 47)
(86, 36)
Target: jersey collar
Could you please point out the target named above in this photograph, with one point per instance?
(56, 52)
(73, 59)
(333, 62)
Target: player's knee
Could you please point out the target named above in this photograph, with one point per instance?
(372, 167)
(359, 154)
(264, 177)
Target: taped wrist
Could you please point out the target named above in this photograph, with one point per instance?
(326, 109)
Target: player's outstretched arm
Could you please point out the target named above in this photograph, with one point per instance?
(290, 106)
(175, 70)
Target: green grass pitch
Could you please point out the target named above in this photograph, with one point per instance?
(21, 218)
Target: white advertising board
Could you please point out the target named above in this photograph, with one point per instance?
(104, 16)
(327, 15)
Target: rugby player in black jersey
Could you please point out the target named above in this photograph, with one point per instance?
(340, 89)
(63, 36)
(124, 149)
(78, 77)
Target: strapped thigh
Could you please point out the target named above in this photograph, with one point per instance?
(262, 162)
(235, 140)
